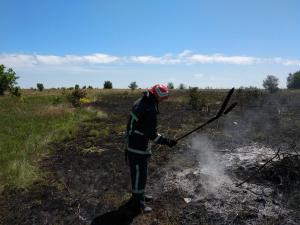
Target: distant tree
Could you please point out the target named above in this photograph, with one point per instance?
(170, 85)
(182, 86)
(271, 83)
(76, 86)
(90, 87)
(7, 79)
(84, 87)
(107, 85)
(293, 80)
(40, 86)
(133, 85)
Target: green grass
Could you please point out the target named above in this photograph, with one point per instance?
(27, 126)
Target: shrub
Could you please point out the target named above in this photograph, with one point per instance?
(198, 99)
(293, 80)
(75, 97)
(84, 100)
(76, 86)
(170, 85)
(107, 85)
(133, 85)
(90, 87)
(16, 91)
(271, 83)
(7, 79)
(194, 97)
(40, 86)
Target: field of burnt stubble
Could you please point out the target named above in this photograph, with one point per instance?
(84, 175)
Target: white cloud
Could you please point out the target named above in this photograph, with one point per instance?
(186, 57)
(146, 59)
(50, 59)
(100, 58)
(185, 53)
(218, 58)
(21, 60)
(17, 60)
(166, 59)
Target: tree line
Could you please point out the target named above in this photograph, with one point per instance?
(8, 82)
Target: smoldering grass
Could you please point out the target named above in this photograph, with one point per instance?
(198, 165)
(209, 163)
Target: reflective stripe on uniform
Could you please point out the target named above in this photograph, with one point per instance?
(137, 151)
(137, 177)
(136, 189)
(157, 138)
(138, 132)
(133, 118)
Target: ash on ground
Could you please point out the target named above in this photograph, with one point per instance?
(208, 176)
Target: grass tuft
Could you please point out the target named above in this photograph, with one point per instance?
(28, 125)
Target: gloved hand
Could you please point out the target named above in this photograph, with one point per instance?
(170, 142)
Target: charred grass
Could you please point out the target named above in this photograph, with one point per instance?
(85, 175)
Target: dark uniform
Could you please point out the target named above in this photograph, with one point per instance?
(141, 128)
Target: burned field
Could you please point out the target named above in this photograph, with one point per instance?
(202, 180)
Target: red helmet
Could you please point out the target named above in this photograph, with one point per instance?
(160, 91)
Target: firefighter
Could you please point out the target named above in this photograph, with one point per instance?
(141, 128)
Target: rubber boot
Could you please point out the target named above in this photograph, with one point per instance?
(148, 198)
(135, 202)
(139, 203)
(145, 209)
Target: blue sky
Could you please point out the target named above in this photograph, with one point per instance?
(213, 43)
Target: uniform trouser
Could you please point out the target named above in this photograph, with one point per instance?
(138, 170)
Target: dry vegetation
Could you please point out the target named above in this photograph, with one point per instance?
(83, 173)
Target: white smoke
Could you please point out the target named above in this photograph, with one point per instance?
(210, 166)
(200, 170)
